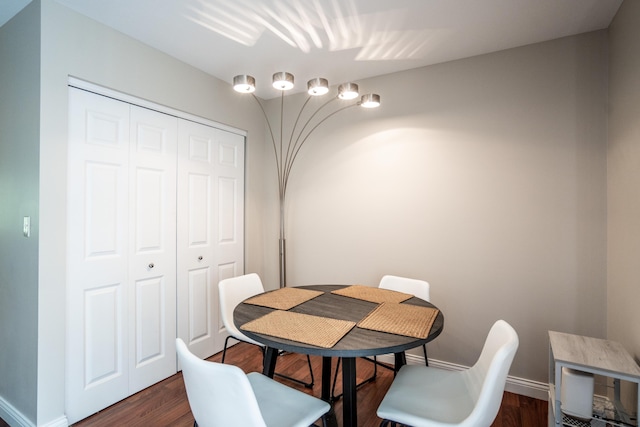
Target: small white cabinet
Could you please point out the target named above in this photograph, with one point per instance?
(596, 356)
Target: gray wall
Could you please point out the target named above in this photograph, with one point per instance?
(487, 178)
(19, 147)
(623, 183)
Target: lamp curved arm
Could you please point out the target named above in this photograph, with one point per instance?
(289, 160)
(289, 165)
(293, 130)
(275, 149)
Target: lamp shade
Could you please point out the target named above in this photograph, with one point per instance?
(348, 91)
(244, 83)
(283, 80)
(318, 86)
(371, 100)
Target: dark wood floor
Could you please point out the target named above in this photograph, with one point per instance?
(165, 404)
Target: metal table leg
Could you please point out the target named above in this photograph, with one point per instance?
(349, 408)
(269, 363)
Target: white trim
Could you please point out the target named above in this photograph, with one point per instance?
(522, 386)
(12, 416)
(526, 387)
(60, 422)
(101, 90)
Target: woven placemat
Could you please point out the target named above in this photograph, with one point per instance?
(401, 319)
(305, 328)
(283, 299)
(377, 295)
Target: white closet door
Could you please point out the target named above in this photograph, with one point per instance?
(230, 204)
(155, 220)
(210, 220)
(152, 266)
(122, 251)
(98, 231)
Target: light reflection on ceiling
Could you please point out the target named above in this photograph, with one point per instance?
(341, 40)
(311, 25)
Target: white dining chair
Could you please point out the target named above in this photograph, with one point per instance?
(233, 291)
(415, 287)
(223, 395)
(423, 396)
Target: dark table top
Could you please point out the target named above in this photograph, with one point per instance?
(357, 343)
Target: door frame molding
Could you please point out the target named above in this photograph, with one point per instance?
(120, 96)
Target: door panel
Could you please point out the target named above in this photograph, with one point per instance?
(211, 209)
(229, 210)
(97, 318)
(103, 194)
(199, 200)
(150, 330)
(150, 218)
(103, 336)
(152, 269)
(199, 303)
(197, 295)
(230, 200)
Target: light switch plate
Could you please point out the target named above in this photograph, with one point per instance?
(26, 226)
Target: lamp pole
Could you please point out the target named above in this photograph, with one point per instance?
(286, 153)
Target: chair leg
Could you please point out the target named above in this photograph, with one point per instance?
(310, 371)
(329, 419)
(375, 362)
(335, 378)
(325, 420)
(305, 384)
(224, 350)
(424, 349)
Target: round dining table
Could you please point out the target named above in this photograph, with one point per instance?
(358, 342)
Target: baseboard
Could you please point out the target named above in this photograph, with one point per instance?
(15, 418)
(526, 387)
(59, 422)
(12, 416)
(522, 386)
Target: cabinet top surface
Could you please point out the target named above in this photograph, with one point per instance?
(596, 353)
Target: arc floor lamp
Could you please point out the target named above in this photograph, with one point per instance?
(286, 152)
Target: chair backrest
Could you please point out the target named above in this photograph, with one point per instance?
(232, 292)
(219, 395)
(487, 377)
(416, 287)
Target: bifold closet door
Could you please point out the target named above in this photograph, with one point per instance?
(152, 247)
(121, 251)
(211, 229)
(98, 229)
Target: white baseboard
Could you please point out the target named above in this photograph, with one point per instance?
(529, 388)
(12, 416)
(59, 422)
(15, 418)
(522, 386)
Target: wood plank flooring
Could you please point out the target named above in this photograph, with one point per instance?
(165, 404)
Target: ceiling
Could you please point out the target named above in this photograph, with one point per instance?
(341, 40)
